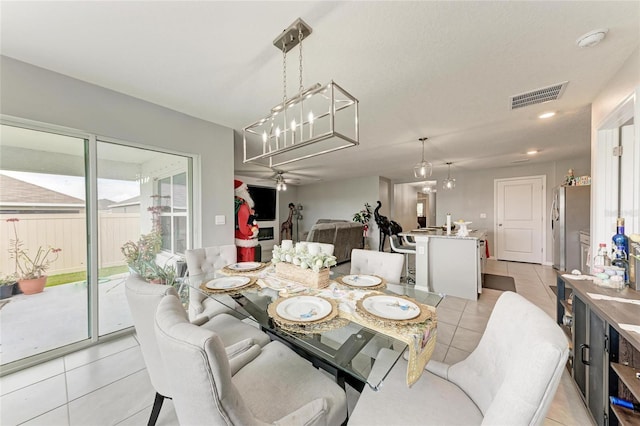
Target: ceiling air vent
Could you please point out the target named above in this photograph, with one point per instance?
(538, 96)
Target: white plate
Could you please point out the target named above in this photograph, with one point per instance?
(244, 266)
(303, 308)
(361, 280)
(226, 283)
(391, 307)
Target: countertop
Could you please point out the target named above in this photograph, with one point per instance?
(476, 234)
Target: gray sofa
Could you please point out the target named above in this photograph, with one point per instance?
(344, 235)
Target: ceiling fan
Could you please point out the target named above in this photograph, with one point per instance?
(283, 177)
(281, 182)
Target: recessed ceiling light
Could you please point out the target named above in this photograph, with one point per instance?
(547, 114)
(592, 37)
(532, 152)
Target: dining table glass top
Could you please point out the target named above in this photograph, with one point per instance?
(324, 323)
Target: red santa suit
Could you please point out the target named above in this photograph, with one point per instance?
(246, 236)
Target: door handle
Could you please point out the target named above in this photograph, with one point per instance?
(582, 348)
(499, 224)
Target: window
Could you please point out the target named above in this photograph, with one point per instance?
(171, 196)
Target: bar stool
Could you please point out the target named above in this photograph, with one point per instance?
(399, 248)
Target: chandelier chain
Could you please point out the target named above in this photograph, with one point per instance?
(300, 36)
(284, 74)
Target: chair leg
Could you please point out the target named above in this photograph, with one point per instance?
(155, 411)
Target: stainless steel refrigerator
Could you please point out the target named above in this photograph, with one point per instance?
(570, 214)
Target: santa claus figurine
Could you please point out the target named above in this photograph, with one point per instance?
(246, 224)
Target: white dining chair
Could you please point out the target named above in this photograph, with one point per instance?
(277, 387)
(383, 264)
(509, 379)
(205, 260)
(143, 299)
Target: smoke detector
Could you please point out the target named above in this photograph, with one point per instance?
(592, 38)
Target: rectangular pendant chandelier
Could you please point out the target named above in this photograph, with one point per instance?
(315, 121)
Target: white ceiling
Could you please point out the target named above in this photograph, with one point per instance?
(445, 70)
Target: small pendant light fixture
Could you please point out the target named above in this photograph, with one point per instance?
(281, 185)
(423, 169)
(449, 183)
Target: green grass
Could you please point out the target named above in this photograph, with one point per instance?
(73, 277)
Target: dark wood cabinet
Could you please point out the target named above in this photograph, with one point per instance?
(604, 359)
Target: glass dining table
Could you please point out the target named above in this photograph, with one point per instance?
(347, 350)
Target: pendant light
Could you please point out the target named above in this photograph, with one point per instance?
(304, 125)
(423, 169)
(449, 183)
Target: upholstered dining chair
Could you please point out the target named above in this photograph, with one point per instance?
(204, 260)
(382, 264)
(276, 387)
(143, 299)
(406, 250)
(509, 379)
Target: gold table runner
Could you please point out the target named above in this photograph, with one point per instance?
(420, 337)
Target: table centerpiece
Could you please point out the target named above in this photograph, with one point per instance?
(302, 263)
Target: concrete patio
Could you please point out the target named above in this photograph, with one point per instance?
(32, 324)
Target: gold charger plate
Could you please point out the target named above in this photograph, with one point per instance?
(203, 287)
(425, 311)
(272, 310)
(383, 283)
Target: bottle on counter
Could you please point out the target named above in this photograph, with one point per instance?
(601, 259)
(620, 260)
(620, 240)
(448, 223)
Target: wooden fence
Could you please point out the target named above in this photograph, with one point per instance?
(69, 233)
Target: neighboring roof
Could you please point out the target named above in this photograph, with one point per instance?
(124, 203)
(18, 192)
(104, 204)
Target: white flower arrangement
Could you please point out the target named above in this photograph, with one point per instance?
(300, 256)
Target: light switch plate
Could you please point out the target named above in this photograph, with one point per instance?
(483, 215)
(220, 219)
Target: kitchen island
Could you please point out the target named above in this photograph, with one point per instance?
(450, 264)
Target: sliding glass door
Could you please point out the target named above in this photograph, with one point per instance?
(43, 212)
(56, 192)
(139, 191)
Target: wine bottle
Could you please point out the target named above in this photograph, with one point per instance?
(620, 240)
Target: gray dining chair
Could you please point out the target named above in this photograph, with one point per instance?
(509, 379)
(143, 299)
(205, 260)
(276, 387)
(382, 264)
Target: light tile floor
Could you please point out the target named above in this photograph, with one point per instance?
(108, 384)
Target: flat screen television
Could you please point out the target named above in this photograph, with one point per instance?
(265, 202)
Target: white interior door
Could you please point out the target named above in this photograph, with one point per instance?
(519, 218)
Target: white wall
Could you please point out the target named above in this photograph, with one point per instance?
(623, 84)
(339, 200)
(34, 93)
(473, 193)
